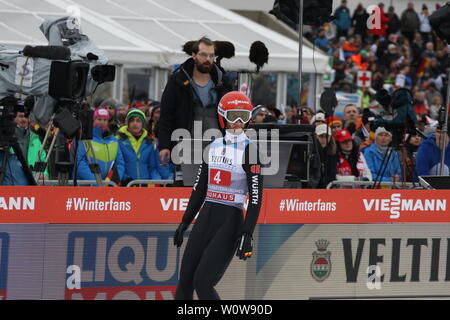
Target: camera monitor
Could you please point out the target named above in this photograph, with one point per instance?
(435, 182)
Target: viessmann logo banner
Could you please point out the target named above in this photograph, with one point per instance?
(397, 205)
(167, 205)
(357, 206)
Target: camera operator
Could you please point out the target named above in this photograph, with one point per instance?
(30, 144)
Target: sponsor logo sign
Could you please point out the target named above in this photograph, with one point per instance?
(357, 206)
(321, 262)
(124, 265)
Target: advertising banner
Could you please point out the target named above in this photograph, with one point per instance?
(290, 261)
(120, 262)
(95, 205)
(352, 262)
(357, 206)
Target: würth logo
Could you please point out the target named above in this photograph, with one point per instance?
(17, 203)
(255, 169)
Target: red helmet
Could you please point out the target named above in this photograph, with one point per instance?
(234, 106)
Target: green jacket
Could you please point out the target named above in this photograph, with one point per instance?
(34, 145)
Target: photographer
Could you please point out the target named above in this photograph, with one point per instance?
(30, 144)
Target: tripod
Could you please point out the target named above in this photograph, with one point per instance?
(93, 166)
(397, 145)
(63, 168)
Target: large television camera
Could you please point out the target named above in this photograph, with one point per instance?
(69, 69)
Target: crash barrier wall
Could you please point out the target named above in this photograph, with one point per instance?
(116, 243)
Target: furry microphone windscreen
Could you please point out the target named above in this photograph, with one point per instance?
(224, 49)
(47, 52)
(187, 47)
(259, 54)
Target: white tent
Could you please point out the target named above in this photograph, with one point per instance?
(151, 32)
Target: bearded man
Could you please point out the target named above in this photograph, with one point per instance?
(191, 95)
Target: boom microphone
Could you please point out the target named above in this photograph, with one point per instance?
(224, 49)
(47, 52)
(328, 101)
(259, 54)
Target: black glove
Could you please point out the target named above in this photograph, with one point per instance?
(178, 237)
(244, 247)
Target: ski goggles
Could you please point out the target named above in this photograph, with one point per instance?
(233, 116)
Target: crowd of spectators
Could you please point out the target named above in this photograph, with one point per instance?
(401, 52)
(124, 144)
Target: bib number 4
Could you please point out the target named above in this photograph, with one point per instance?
(220, 177)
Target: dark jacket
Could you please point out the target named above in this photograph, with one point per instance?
(410, 21)
(177, 102)
(359, 21)
(393, 24)
(328, 161)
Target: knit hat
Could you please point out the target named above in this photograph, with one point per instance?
(136, 113)
(109, 102)
(101, 112)
(334, 119)
(139, 104)
(381, 130)
(259, 109)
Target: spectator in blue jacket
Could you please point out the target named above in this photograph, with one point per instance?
(106, 150)
(140, 153)
(343, 20)
(428, 156)
(321, 41)
(376, 152)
